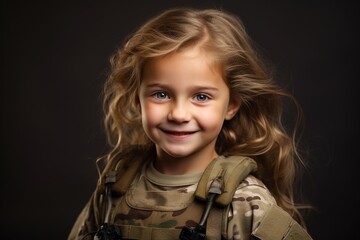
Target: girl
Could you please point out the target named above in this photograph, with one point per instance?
(186, 89)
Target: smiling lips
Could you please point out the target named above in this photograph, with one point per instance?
(179, 133)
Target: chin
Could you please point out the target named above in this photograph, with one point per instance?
(176, 153)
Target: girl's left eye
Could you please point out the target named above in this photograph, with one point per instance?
(202, 97)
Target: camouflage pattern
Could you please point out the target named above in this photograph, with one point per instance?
(147, 204)
(152, 205)
(250, 202)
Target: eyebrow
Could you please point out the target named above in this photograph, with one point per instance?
(199, 87)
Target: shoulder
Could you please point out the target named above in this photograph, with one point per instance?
(251, 189)
(249, 204)
(252, 198)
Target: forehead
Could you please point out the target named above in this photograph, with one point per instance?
(191, 62)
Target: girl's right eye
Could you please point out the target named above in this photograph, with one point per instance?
(161, 95)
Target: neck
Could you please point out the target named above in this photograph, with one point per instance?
(194, 163)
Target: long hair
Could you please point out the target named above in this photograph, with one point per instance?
(256, 130)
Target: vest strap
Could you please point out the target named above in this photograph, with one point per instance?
(234, 169)
(126, 167)
(216, 224)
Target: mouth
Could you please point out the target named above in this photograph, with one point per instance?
(179, 133)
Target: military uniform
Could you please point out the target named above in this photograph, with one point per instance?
(158, 206)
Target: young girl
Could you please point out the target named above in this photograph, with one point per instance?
(185, 90)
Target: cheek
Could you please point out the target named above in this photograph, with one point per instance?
(211, 119)
(150, 115)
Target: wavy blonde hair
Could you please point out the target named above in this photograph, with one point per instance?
(256, 130)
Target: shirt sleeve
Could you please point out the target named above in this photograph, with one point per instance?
(250, 202)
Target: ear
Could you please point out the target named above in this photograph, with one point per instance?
(233, 108)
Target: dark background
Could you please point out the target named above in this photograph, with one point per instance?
(54, 57)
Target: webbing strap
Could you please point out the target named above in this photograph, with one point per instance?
(126, 167)
(216, 224)
(279, 225)
(234, 169)
(148, 233)
(127, 174)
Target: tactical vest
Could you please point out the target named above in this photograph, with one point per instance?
(217, 185)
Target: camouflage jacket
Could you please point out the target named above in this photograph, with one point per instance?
(157, 206)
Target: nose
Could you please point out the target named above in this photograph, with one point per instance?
(179, 112)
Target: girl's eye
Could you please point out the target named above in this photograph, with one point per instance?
(202, 97)
(161, 95)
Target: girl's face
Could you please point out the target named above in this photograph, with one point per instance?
(184, 102)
